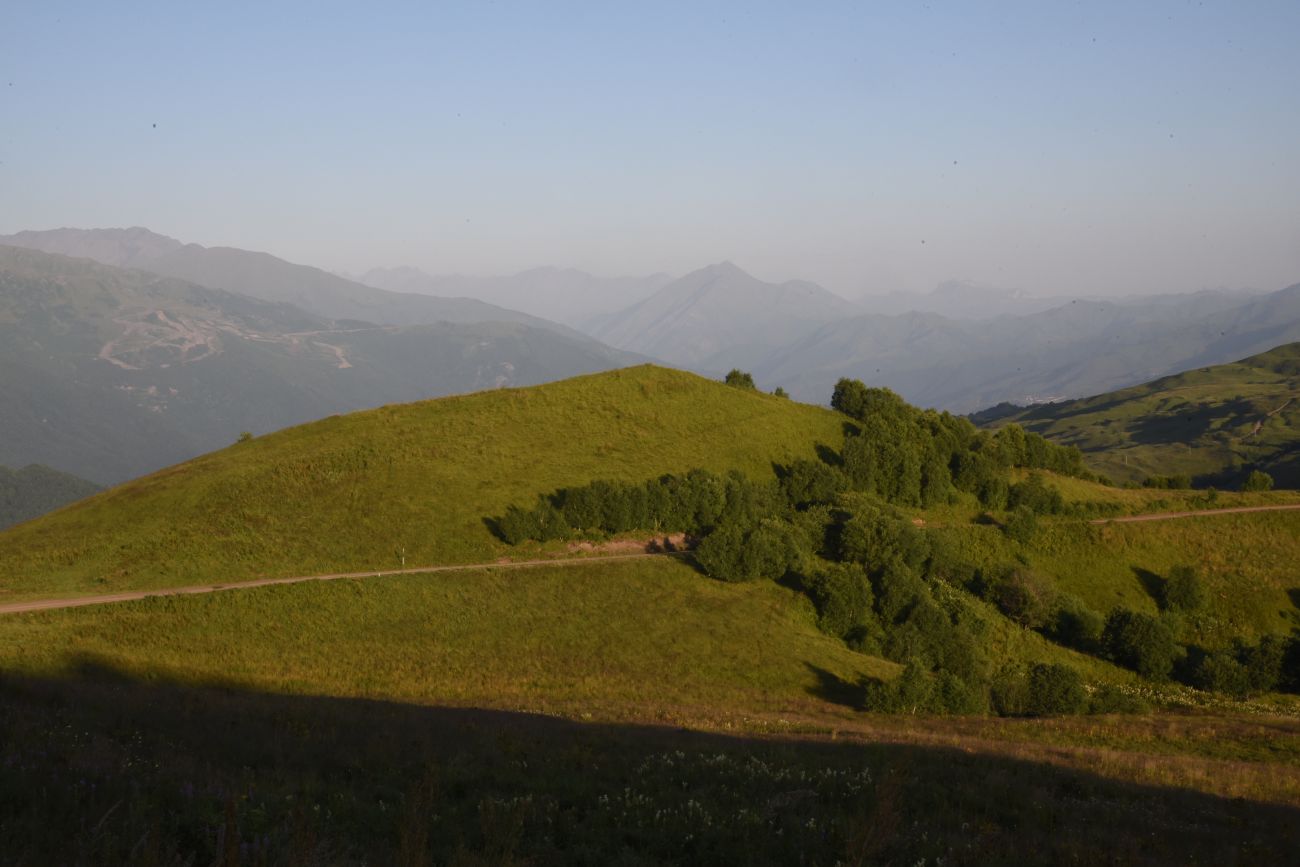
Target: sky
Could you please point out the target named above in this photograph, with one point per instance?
(1061, 148)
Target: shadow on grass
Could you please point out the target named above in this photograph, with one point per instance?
(101, 766)
(1153, 584)
(835, 689)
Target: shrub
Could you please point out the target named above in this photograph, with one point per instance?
(1035, 495)
(843, 598)
(1183, 590)
(734, 553)
(1024, 596)
(806, 482)
(1172, 483)
(1021, 526)
(1218, 672)
(1076, 625)
(877, 538)
(912, 692)
(780, 392)
(1257, 481)
(1053, 689)
(1140, 642)
(740, 379)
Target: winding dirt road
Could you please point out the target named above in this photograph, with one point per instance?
(1166, 516)
(77, 602)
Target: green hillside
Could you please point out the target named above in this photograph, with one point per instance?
(1215, 424)
(364, 490)
(35, 490)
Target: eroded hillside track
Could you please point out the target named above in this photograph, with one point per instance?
(134, 596)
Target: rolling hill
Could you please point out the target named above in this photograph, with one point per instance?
(453, 708)
(1215, 424)
(109, 373)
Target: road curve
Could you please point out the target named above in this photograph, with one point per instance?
(78, 602)
(1166, 516)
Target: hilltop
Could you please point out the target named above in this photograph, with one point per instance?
(364, 490)
(1214, 424)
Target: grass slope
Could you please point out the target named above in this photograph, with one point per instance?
(1201, 423)
(363, 491)
(632, 639)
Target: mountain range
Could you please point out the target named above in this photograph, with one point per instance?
(109, 373)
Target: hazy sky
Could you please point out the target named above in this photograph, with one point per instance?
(1058, 147)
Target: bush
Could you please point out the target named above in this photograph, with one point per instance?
(1182, 590)
(1257, 481)
(1053, 689)
(1218, 672)
(1140, 642)
(734, 553)
(1034, 494)
(1076, 625)
(806, 482)
(877, 538)
(740, 379)
(1024, 596)
(1021, 526)
(843, 598)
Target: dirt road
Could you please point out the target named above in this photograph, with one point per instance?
(49, 604)
(1165, 516)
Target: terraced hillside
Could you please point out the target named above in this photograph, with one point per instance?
(1215, 424)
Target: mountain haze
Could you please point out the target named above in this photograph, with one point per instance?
(564, 295)
(263, 276)
(109, 373)
(719, 317)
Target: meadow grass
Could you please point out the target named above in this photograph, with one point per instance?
(614, 640)
(1200, 423)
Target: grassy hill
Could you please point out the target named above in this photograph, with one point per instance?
(364, 490)
(1213, 423)
(610, 712)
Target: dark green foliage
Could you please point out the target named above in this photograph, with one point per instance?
(244, 437)
(1043, 689)
(843, 598)
(735, 553)
(1257, 481)
(1140, 642)
(740, 379)
(1218, 672)
(912, 692)
(877, 537)
(1055, 689)
(1109, 698)
(1242, 671)
(1076, 625)
(1034, 494)
(780, 392)
(1183, 590)
(1021, 526)
(1024, 596)
(806, 482)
